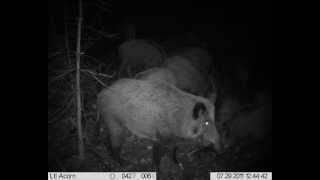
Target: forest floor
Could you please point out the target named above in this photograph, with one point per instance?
(137, 155)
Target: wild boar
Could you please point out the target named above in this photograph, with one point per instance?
(158, 74)
(198, 57)
(251, 123)
(156, 111)
(188, 78)
(139, 55)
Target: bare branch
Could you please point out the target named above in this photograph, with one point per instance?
(102, 33)
(54, 54)
(61, 75)
(91, 57)
(93, 74)
(106, 75)
(98, 74)
(105, 9)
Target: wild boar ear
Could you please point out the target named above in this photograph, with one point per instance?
(197, 109)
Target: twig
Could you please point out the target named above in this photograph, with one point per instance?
(106, 75)
(189, 155)
(91, 57)
(98, 74)
(105, 9)
(60, 70)
(93, 75)
(53, 54)
(104, 34)
(61, 75)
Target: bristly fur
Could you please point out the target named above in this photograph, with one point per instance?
(153, 111)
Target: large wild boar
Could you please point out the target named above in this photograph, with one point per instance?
(188, 69)
(251, 123)
(156, 111)
(188, 78)
(179, 72)
(139, 55)
(158, 74)
(191, 66)
(198, 57)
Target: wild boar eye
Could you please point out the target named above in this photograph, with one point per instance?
(206, 123)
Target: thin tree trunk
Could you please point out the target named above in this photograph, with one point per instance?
(78, 90)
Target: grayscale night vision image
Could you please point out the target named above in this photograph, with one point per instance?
(180, 89)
